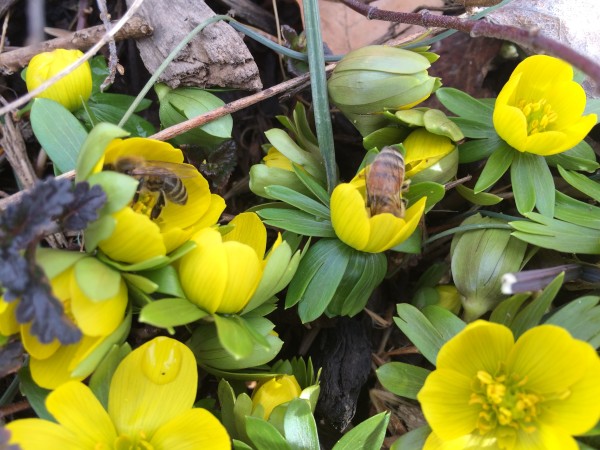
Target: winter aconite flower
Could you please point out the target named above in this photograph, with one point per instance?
(430, 157)
(223, 272)
(150, 406)
(94, 297)
(354, 225)
(540, 108)
(490, 392)
(138, 236)
(70, 91)
(275, 392)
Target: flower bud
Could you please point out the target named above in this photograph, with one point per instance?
(69, 91)
(479, 259)
(372, 79)
(275, 392)
(430, 157)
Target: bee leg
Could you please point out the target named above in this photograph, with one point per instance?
(158, 206)
(136, 196)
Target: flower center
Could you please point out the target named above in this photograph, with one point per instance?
(538, 114)
(138, 442)
(506, 407)
(145, 204)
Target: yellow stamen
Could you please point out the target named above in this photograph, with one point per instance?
(538, 115)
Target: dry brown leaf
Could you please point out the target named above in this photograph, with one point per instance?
(344, 29)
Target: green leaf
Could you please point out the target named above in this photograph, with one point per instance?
(317, 278)
(299, 426)
(463, 105)
(480, 198)
(239, 445)
(421, 331)
(61, 143)
(99, 230)
(444, 321)
(413, 440)
(296, 221)
(106, 112)
(96, 280)
(507, 310)
(120, 101)
(592, 106)
(94, 146)
(367, 435)
(438, 123)
(298, 200)
(119, 189)
(151, 263)
(385, 136)
(433, 191)
(532, 314)
(581, 318)
(581, 183)
(404, 380)
(227, 401)
(102, 376)
(496, 166)
(170, 312)
(413, 244)
(312, 184)
(36, 396)
(475, 129)
(557, 235)
(580, 157)
(532, 184)
(265, 436)
(478, 149)
(577, 212)
(167, 280)
(56, 262)
(234, 336)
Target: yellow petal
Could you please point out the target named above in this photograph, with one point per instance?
(249, 229)
(349, 217)
(434, 442)
(34, 434)
(135, 238)
(445, 402)
(547, 143)
(479, 346)
(511, 125)
(545, 438)
(534, 356)
(98, 318)
(34, 347)
(198, 202)
(149, 149)
(8, 320)
(196, 428)
(76, 408)
(275, 392)
(203, 271)
(244, 269)
(152, 385)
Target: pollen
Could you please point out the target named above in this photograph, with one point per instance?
(506, 406)
(539, 115)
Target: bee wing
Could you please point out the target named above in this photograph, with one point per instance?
(166, 169)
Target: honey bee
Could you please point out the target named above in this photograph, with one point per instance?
(164, 179)
(385, 183)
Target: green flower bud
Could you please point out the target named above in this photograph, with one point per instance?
(445, 296)
(373, 79)
(479, 259)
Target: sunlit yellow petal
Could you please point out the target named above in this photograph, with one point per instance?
(153, 384)
(98, 318)
(196, 428)
(76, 408)
(249, 230)
(445, 402)
(547, 143)
(511, 125)
(244, 269)
(8, 320)
(135, 238)
(275, 392)
(274, 158)
(349, 217)
(34, 347)
(149, 149)
(35, 434)
(545, 438)
(433, 442)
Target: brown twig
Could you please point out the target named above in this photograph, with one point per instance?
(14, 408)
(481, 28)
(12, 61)
(180, 128)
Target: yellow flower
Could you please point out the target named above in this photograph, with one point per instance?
(489, 391)
(150, 406)
(354, 225)
(70, 91)
(97, 314)
(136, 236)
(274, 158)
(430, 157)
(222, 273)
(539, 109)
(275, 392)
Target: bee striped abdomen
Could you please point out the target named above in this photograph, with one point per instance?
(385, 182)
(172, 187)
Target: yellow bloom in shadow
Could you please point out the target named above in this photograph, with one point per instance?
(150, 405)
(275, 392)
(539, 109)
(354, 225)
(138, 237)
(70, 91)
(489, 391)
(222, 272)
(96, 315)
